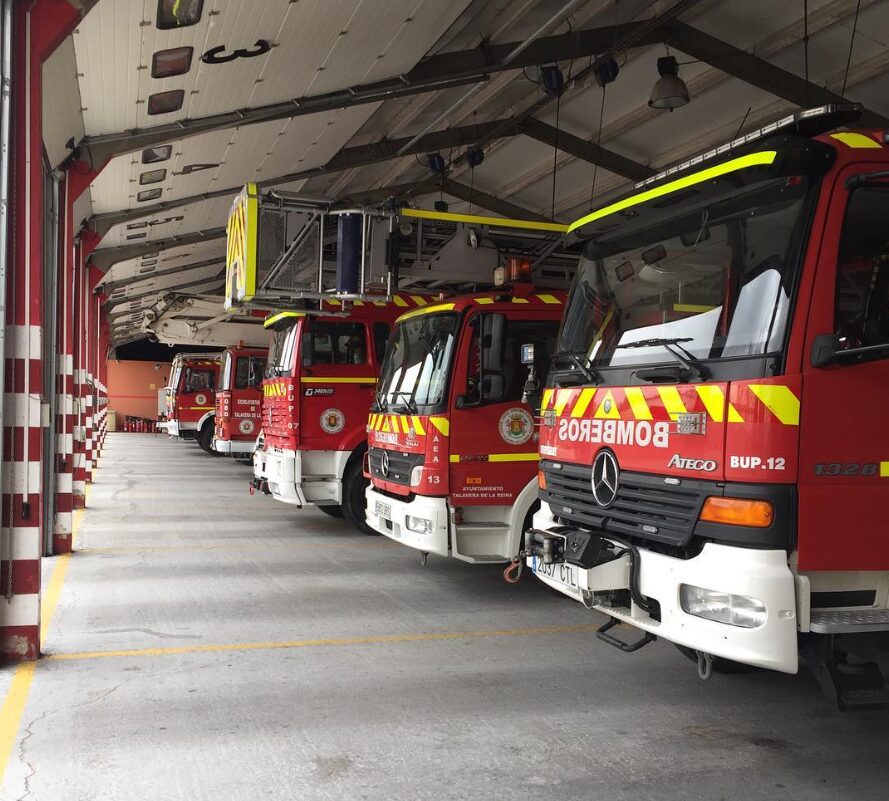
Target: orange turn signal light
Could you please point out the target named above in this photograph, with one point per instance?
(541, 479)
(738, 512)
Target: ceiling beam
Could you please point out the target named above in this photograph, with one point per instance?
(110, 286)
(756, 71)
(587, 151)
(432, 74)
(491, 203)
(346, 159)
(105, 258)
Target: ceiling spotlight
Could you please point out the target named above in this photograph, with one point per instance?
(441, 205)
(475, 156)
(670, 90)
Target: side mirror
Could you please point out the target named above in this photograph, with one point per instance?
(824, 350)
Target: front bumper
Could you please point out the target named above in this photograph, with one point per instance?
(742, 571)
(289, 481)
(433, 509)
(233, 447)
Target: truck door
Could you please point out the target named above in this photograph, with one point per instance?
(493, 441)
(844, 436)
(337, 379)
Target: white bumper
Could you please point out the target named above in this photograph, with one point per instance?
(743, 571)
(433, 509)
(301, 477)
(233, 446)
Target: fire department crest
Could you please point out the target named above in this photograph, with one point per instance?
(332, 421)
(516, 426)
(246, 426)
(200, 399)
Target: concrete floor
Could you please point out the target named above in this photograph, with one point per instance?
(212, 645)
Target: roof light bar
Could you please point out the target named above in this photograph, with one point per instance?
(808, 122)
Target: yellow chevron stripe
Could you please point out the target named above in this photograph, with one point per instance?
(419, 300)
(483, 301)
(405, 425)
(562, 398)
(672, 401)
(547, 397)
(549, 299)
(638, 404)
(714, 401)
(442, 424)
(583, 401)
(780, 401)
(399, 301)
(418, 426)
(612, 413)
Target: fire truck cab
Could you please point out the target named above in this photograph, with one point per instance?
(319, 384)
(452, 446)
(191, 397)
(238, 401)
(714, 457)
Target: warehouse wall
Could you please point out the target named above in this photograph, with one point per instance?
(133, 387)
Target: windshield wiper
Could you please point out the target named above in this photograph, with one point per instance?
(674, 347)
(588, 373)
(409, 404)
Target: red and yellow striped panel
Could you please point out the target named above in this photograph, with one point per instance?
(755, 402)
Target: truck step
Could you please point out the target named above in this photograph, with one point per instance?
(849, 621)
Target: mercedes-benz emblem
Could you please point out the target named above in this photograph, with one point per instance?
(604, 479)
(384, 463)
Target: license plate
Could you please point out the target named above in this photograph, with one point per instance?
(560, 572)
(383, 510)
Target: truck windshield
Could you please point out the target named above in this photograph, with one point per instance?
(225, 371)
(711, 270)
(418, 359)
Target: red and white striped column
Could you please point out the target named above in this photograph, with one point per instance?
(78, 176)
(39, 28)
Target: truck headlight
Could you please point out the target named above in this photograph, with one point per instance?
(416, 476)
(723, 607)
(419, 525)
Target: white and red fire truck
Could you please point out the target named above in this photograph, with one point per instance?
(714, 458)
(239, 401)
(321, 374)
(452, 447)
(190, 394)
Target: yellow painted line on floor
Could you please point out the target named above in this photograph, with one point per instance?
(20, 688)
(327, 642)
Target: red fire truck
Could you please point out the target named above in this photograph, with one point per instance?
(239, 400)
(714, 462)
(452, 447)
(191, 397)
(321, 374)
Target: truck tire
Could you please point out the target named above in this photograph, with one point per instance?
(354, 502)
(332, 511)
(205, 438)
